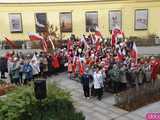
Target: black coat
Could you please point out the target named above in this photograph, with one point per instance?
(3, 65)
(85, 80)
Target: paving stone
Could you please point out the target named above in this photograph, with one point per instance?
(101, 104)
(87, 104)
(101, 116)
(86, 110)
(89, 117)
(110, 100)
(117, 110)
(122, 118)
(134, 116)
(155, 107)
(100, 110)
(113, 115)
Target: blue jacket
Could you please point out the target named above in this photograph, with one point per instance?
(27, 70)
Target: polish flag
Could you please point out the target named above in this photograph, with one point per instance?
(98, 33)
(44, 45)
(92, 37)
(10, 42)
(134, 52)
(83, 40)
(120, 55)
(116, 32)
(50, 39)
(35, 37)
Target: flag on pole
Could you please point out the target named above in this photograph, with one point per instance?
(34, 36)
(98, 34)
(116, 32)
(37, 37)
(83, 40)
(92, 38)
(44, 45)
(10, 42)
(134, 52)
(49, 38)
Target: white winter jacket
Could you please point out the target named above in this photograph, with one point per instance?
(98, 80)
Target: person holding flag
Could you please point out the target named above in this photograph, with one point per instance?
(37, 37)
(134, 52)
(117, 33)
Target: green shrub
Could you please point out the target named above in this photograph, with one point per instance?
(1, 82)
(21, 104)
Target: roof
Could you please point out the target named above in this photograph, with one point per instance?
(61, 1)
(43, 1)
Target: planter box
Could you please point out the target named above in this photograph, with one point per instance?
(5, 88)
(2, 92)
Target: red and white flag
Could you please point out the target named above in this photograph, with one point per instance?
(50, 39)
(134, 51)
(44, 45)
(83, 40)
(35, 36)
(116, 32)
(98, 34)
(10, 42)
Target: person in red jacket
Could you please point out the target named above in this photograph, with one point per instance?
(55, 63)
(154, 70)
(81, 68)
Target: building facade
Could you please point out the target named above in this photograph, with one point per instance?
(134, 17)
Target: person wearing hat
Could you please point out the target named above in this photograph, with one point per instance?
(85, 80)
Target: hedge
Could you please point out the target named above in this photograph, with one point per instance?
(21, 104)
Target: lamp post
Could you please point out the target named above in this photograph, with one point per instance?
(40, 93)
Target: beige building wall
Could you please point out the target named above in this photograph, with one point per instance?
(78, 10)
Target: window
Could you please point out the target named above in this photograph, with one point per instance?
(66, 22)
(91, 21)
(41, 22)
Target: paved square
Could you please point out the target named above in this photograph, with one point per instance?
(100, 110)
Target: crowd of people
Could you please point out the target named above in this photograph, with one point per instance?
(25, 67)
(101, 64)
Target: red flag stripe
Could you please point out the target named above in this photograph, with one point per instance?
(9, 42)
(34, 37)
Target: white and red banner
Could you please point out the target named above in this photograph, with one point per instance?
(34, 36)
(98, 34)
(116, 32)
(10, 42)
(37, 37)
(134, 53)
